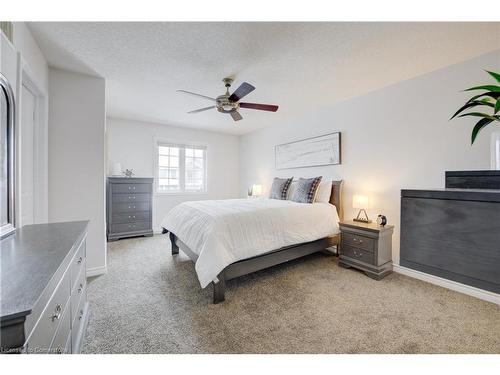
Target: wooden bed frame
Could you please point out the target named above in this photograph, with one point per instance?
(269, 259)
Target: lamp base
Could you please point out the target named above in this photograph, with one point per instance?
(360, 219)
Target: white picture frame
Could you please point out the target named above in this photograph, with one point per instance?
(310, 152)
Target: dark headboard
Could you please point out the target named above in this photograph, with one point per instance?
(336, 197)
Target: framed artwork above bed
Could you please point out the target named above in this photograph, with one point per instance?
(309, 152)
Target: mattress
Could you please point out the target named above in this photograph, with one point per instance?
(222, 232)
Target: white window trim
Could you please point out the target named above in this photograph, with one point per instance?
(157, 142)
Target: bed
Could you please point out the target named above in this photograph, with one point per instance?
(231, 238)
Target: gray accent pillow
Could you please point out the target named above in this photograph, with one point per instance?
(305, 190)
(280, 187)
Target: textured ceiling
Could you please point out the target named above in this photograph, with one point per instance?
(299, 66)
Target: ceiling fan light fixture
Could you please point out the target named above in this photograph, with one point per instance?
(230, 103)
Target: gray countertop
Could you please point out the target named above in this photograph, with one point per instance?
(28, 261)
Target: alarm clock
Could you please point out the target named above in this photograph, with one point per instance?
(381, 220)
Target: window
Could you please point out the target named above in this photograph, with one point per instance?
(7, 153)
(181, 168)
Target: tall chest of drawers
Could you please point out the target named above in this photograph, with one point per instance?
(44, 306)
(129, 207)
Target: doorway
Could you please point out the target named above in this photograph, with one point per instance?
(32, 149)
(27, 155)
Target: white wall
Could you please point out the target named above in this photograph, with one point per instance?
(77, 122)
(31, 53)
(132, 144)
(395, 138)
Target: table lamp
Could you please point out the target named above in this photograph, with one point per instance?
(362, 202)
(256, 190)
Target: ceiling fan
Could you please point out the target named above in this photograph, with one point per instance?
(230, 103)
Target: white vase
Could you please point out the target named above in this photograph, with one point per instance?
(495, 150)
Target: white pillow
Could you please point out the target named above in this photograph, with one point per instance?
(324, 192)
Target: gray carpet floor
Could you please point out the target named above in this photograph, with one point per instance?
(151, 302)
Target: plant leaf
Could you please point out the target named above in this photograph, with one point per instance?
(485, 87)
(483, 115)
(494, 95)
(472, 104)
(494, 75)
(477, 128)
(497, 107)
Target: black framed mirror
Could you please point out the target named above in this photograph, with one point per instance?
(7, 154)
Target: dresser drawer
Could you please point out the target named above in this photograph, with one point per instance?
(355, 240)
(130, 227)
(62, 334)
(357, 254)
(77, 293)
(131, 198)
(78, 263)
(130, 207)
(43, 333)
(78, 322)
(130, 217)
(131, 188)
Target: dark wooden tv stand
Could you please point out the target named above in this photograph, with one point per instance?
(454, 233)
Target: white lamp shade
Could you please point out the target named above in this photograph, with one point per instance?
(256, 190)
(117, 169)
(360, 201)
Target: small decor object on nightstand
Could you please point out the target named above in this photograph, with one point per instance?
(367, 247)
(381, 220)
(129, 172)
(362, 202)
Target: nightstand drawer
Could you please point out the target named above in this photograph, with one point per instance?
(360, 242)
(357, 254)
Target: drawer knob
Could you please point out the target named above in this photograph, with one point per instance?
(80, 260)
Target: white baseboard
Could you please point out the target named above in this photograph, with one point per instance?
(96, 271)
(453, 285)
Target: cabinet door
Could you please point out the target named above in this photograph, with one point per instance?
(458, 240)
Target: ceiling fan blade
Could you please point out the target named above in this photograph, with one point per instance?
(243, 90)
(202, 109)
(262, 107)
(198, 95)
(236, 116)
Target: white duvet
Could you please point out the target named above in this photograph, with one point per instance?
(222, 232)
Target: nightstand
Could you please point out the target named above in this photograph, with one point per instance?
(367, 247)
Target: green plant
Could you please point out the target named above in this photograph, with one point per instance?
(489, 98)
